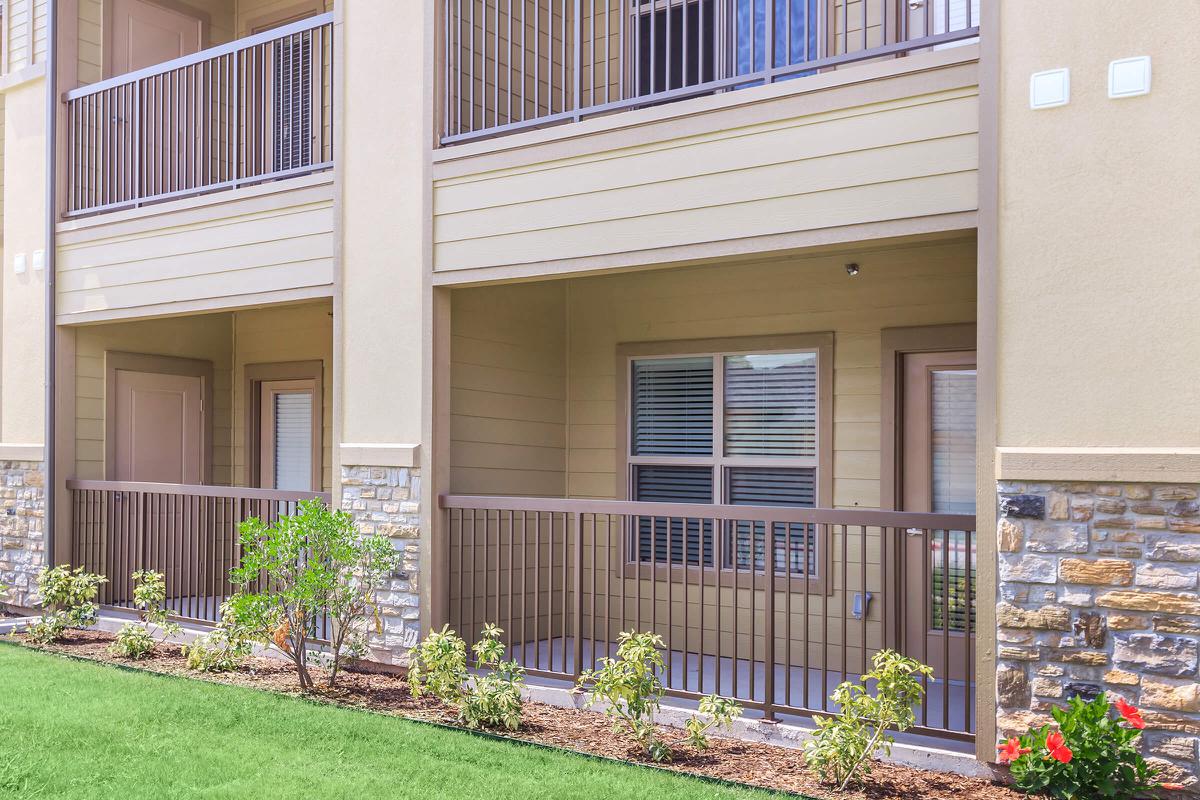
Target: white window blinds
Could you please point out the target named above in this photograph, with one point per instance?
(771, 405)
(953, 441)
(293, 440)
(673, 407)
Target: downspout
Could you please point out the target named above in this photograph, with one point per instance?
(51, 252)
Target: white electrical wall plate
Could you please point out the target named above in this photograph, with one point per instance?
(1129, 77)
(19, 264)
(39, 260)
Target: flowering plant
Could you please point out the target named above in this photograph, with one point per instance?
(1091, 754)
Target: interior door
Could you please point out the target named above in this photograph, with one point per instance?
(143, 34)
(938, 475)
(159, 428)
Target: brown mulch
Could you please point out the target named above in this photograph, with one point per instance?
(751, 763)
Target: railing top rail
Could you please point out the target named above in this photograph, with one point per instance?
(306, 24)
(234, 492)
(784, 514)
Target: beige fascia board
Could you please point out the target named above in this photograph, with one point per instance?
(353, 454)
(22, 452)
(935, 227)
(206, 305)
(22, 76)
(1099, 464)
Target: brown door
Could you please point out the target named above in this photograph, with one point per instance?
(938, 475)
(159, 430)
(143, 33)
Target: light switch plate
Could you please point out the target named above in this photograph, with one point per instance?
(1050, 89)
(1129, 77)
(39, 260)
(19, 264)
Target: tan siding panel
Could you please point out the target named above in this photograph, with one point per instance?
(897, 159)
(215, 252)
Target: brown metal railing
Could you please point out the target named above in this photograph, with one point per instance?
(772, 606)
(188, 533)
(515, 64)
(253, 110)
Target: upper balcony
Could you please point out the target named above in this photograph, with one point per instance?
(594, 135)
(194, 177)
(514, 66)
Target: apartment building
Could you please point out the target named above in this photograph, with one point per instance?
(789, 329)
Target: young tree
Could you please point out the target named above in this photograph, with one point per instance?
(308, 565)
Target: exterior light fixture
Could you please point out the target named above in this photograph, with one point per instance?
(852, 270)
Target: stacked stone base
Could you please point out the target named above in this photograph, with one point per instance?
(22, 532)
(1098, 592)
(385, 501)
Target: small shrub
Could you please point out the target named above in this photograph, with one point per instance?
(632, 688)
(842, 747)
(315, 563)
(1091, 754)
(223, 649)
(439, 666)
(488, 700)
(68, 601)
(493, 700)
(136, 640)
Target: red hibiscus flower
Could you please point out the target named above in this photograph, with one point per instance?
(1130, 714)
(1011, 750)
(1058, 747)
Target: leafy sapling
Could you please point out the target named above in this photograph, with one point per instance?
(631, 687)
(223, 649)
(315, 564)
(68, 601)
(841, 750)
(137, 640)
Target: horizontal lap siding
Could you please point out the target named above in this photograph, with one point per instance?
(900, 159)
(215, 253)
(508, 391)
(206, 337)
(918, 285)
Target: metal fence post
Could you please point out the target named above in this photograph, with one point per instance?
(577, 667)
(769, 625)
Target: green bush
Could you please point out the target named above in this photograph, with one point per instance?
(491, 699)
(223, 649)
(1091, 754)
(315, 563)
(137, 640)
(68, 601)
(631, 687)
(841, 750)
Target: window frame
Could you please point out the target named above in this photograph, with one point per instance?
(821, 344)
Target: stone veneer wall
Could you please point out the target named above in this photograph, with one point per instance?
(386, 501)
(1098, 591)
(22, 530)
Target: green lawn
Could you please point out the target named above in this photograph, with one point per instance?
(79, 730)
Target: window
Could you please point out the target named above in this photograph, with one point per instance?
(737, 427)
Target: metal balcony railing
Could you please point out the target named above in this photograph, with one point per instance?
(517, 64)
(253, 110)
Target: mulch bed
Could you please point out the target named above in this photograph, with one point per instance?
(755, 764)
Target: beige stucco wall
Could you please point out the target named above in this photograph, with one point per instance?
(383, 164)
(23, 297)
(1099, 227)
